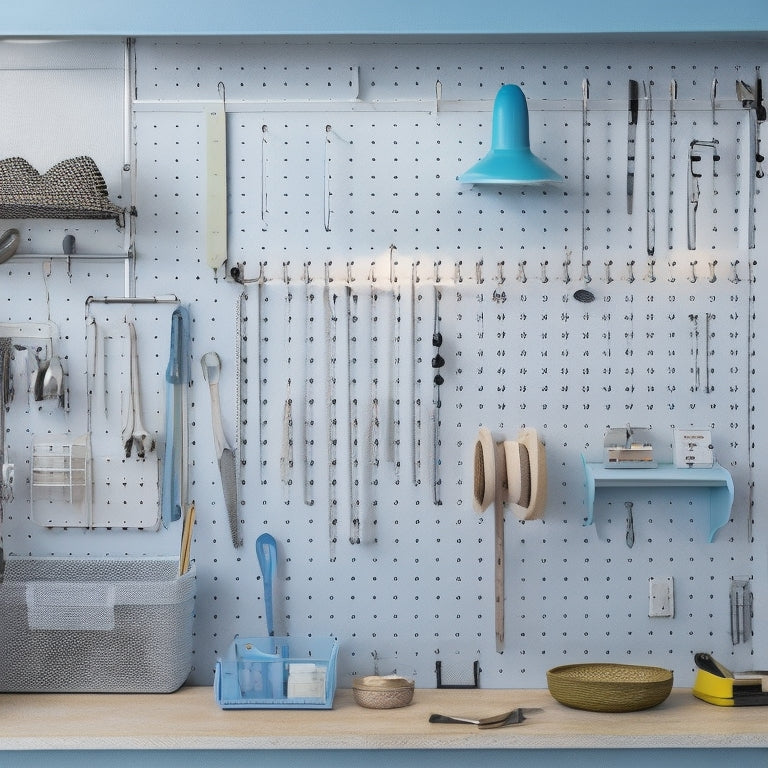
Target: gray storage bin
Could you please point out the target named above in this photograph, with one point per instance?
(95, 625)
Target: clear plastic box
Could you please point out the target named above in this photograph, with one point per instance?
(95, 625)
(277, 673)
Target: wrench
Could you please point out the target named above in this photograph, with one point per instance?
(134, 433)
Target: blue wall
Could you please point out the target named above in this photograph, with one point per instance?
(309, 17)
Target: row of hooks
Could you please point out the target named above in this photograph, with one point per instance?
(611, 272)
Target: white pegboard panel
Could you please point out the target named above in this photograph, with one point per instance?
(343, 196)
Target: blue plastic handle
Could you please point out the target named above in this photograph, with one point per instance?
(266, 552)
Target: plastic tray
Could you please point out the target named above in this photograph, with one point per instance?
(277, 673)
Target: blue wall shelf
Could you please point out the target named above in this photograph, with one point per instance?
(716, 479)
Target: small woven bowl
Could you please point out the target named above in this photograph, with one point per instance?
(609, 687)
(374, 692)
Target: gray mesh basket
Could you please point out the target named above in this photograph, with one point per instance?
(95, 625)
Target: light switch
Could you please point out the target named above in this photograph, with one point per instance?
(661, 597)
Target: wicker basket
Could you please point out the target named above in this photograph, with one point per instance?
(609, 687)
(374, 692)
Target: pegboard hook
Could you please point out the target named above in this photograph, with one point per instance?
(392, 275)
(544, 276)
(631, 271)
(585, 276)
(521, 272)
(608, 265)
(712, 275)
(734, 278)
(566, 265)
(500, 273)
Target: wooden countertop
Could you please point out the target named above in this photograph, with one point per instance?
(191, 719)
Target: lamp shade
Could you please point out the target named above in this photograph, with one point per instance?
(510, 160)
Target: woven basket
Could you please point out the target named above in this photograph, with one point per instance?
(71, 189)
(609, 687)
(374, 692)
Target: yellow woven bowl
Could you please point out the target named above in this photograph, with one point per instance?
(374, 692)
(609, 687)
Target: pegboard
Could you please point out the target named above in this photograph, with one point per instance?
(355, 243)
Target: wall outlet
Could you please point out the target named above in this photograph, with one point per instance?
(661, 597)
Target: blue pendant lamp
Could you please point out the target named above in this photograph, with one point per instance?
(510, 160)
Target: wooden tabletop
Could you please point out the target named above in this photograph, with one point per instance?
(191, 719)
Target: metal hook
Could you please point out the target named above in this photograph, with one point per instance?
(479, 273)
(672, 265)
(437, 272)
(500, 273)
(306, 272)
(585, 276)
(712, 97)
(222, 89)
(630, 271)
(712, 276)
(651, 275)
(521, 272)
(693, 277)
(544, 278)
(457, 273)
(608, 265)
(392, 276)
(566, 265)
(734, 278)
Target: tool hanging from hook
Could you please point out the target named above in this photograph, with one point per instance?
(632, 114)
(216, 185)
(437, 364)
(694, 156)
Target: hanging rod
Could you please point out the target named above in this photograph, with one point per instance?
(170, 299)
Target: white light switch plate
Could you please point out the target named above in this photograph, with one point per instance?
(661, 597)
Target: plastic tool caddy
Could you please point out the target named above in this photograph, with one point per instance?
(277, 673)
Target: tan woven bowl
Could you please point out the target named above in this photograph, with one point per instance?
(374, 692)
(609, 687)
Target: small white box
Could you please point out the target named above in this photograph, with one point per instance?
(692, 448)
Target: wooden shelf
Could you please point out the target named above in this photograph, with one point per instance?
(717, 480)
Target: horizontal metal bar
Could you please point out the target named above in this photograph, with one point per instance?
(423, 105)
(170, 299)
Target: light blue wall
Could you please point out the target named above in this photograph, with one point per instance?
(310, 17)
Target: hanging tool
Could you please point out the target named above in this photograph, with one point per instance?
(437, 363)
(696, 370)
(266, 553)
(68, 244)
(216, 185)
(211, 365)
(752, 99)
(650, 210)
(630, 537)
(584, 124)
(134, 433)
(672, 123)
(632, 111)
(694, 156)
(175, 464)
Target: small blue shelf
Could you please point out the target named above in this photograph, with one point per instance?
(718, 479)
